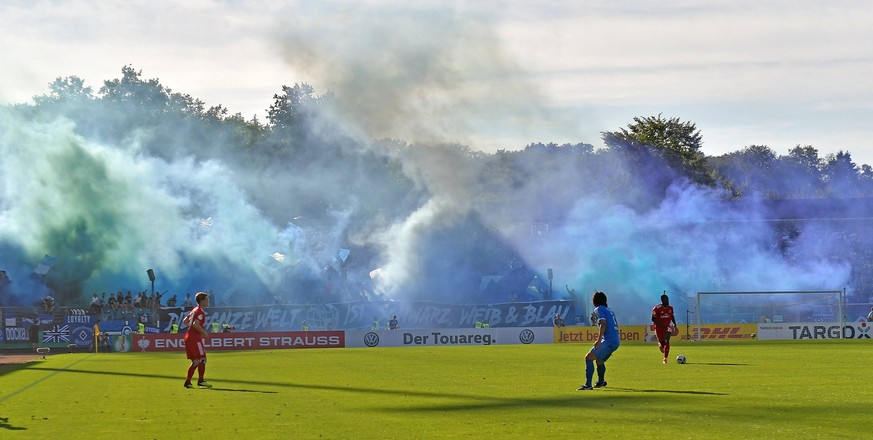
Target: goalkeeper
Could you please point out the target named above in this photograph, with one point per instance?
(665, 323)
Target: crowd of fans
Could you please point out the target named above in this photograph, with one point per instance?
(141, 307)
(837, 241)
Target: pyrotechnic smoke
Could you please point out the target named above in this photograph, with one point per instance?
(422, 73)
(108, 212)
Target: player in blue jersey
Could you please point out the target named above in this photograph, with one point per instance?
(606, 343)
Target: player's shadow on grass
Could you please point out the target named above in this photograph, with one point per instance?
(236, 390)
(466, 402)
(719, 364)
(10, 368)
(165, 376)
(636, 390)
(4, 424)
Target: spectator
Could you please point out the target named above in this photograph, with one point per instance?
(870, 315)
(188, 303)
(113, 307)
(393, 324)
(375, 324)
(559, 321)
(34, 335)
(128, 303)
(48, 303)
(305, 326)
(478, 323)
(104, 342)
(95, 304)
(172, 301)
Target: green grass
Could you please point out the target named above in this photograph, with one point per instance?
(809, 389)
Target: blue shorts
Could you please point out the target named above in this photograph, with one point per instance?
(605, 350)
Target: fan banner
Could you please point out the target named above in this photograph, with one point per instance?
(364, 315)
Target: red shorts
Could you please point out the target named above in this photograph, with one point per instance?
(663, 334)
(194, 348)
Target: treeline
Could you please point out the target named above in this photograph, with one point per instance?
(305, 163)
(300, 133)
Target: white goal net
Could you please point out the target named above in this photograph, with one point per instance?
(791, 306)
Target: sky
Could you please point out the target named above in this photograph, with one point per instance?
(491, 75)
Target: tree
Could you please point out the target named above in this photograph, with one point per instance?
(677, 143)
(865, 180)
(133, 92)
(799, 173)
(71, 88)
(806, 157)
(749, 170)
(841, 175)
(292, 108)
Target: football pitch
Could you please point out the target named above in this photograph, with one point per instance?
(784, 389)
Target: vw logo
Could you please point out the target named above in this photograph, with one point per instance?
(371, 339)
(526, 336)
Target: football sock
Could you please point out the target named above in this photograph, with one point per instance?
(601, 373)
(190, 372)
(589, 371)
(201, 370)
(666, 351)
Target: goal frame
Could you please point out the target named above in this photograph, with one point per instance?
(841, 295)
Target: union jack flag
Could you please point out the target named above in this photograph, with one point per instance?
(60, 333)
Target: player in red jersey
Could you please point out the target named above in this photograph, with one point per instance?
(662, 317)
(196, 322)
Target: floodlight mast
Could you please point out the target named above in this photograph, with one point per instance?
(151, 275)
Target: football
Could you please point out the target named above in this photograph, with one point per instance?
(680, 359)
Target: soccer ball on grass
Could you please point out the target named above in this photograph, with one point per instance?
(680, 359)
